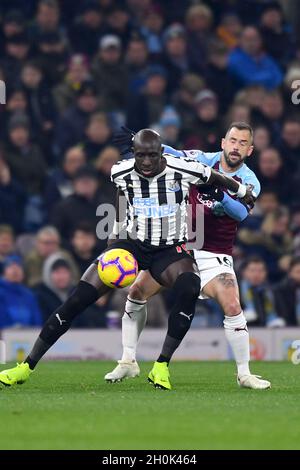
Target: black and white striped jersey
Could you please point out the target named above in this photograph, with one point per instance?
(157, 207)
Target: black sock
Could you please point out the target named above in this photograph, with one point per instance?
(162, 358)
(186, 288)
(60, 321)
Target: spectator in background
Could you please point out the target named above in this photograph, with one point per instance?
(98, 135)
(13, 23)
(216, 72)
(287, 295)
(52, 55)
(273, 175)
(16, 103)
(84, 246)
(277, 37)
(271, 113)
(184, 98)
(251, 96)
(7, 243)
(261, 138)
(206, 131)
(12, 199)
(229, 29)
(47, 243)
(65, 92)
(18, 304)
(237, 111)
(289, 144)
(118, 22)
(169, 127)
(72, 123)
(17, 52)
(152, 29)
(87, 28)
(267, 203)
(272, 241)
(248, 63)
(295, 219)
(137, 56)
(175, 57)
(25, 159)
(47, 19)
(41, 107)
(106, 159)
(57, 282)
(60, 182)
(256, 295)
(198, 22)
(145, 109)
(110, 74)
(138, 8)
(80, 206)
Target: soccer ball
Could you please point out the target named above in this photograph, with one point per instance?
(117, 268)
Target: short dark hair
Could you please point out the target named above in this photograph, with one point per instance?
(241, 126)
(86, 227)
(253, 259)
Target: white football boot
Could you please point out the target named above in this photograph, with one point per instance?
(122, 371)
(253, 381)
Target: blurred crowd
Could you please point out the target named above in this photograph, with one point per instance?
(75, 72)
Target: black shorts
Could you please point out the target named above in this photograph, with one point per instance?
(155, 259)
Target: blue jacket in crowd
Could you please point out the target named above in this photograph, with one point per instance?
(248, 71)
(18, 306)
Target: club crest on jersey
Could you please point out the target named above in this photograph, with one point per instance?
(174, 186)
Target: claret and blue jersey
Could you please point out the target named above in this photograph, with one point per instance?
(220, 218)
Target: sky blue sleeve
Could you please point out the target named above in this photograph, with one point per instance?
(234, 208)
(251, 180)
(171, 151)
(208, 158)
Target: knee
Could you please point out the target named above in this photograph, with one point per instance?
(137, 292)
(188, 284)
(232, 307)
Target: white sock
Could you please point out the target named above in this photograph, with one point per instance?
(133, 323)
(238, 337)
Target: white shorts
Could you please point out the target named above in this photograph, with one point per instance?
(211, 265)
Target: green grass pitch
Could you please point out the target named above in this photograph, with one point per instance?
(67, 405)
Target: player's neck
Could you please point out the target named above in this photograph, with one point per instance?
(228, 169)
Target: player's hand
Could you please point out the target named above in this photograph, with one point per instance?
(123, 140)
(249, 199)
(213, 192)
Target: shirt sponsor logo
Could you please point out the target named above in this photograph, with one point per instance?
(150, 208)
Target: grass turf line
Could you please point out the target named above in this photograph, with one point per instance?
(68, 405)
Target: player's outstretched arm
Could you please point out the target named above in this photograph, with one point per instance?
(232, 185)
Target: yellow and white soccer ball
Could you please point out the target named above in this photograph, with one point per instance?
(117, 268)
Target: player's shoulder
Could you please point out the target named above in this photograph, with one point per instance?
(181, 163)
(208, 158)
(122, 167)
